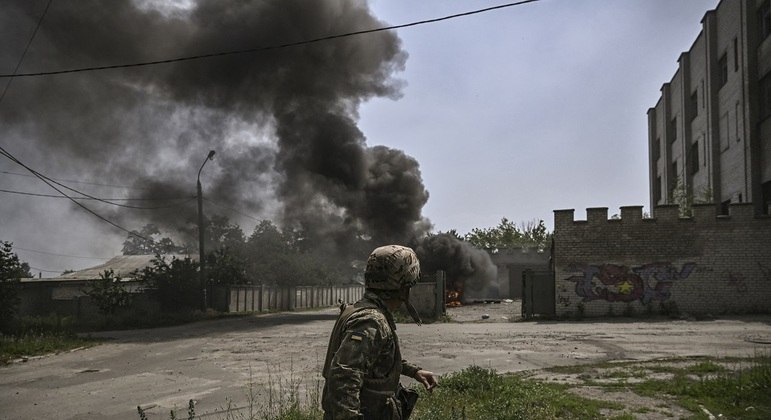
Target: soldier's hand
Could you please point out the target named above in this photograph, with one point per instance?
(427, 379)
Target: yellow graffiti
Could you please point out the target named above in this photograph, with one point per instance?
(625, 288)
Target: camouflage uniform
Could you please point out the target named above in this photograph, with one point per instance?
(363, 364)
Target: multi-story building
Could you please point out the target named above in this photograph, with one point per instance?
(709, 134)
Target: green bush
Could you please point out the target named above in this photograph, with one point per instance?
(176, 284)
(108, 293)
(11, 270)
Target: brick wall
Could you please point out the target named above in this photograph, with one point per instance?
(706, 264)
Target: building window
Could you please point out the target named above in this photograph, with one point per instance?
(694, 158)
(738, 122)
(657, 190)
(722, 67)
(724, 132)
(656, 149)
(766, 197)
(765, 96)
(694, 104)
(672, 130)
(724, 207)
(764, 19)
(673, 180)
(736, 55)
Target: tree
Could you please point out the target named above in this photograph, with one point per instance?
(685, 199)
(222, 267)
(221, 233)
(176, 283)
(152, 244)
(108, 293)
(454, 233)
(508, 235)
(273, 256)
(11, 271)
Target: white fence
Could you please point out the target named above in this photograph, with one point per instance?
(248, 298)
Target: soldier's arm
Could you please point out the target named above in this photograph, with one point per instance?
(409, 369)
(423, 376)
(351, 362)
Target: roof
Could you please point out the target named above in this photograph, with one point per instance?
(122, 265)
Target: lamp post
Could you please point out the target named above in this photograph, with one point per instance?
(201, 259)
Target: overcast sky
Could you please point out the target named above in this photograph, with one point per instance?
(512, 113)
(538, 107)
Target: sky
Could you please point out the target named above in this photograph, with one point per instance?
(511, 113)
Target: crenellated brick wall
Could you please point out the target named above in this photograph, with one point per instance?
(705, 264)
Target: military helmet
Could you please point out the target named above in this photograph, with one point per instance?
(392, 267)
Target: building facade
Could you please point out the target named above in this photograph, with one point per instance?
(709, 134)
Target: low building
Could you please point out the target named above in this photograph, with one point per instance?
(66, 295)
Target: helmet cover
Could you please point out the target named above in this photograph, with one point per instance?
(392, 267)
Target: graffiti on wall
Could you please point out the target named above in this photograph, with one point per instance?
(736, 280)
(766, 271)
(619, 283)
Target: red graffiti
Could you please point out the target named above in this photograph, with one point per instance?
(618, 283)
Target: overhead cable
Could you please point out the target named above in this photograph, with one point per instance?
(45, 271)
(75, 181)
(231, 209)
(59, 255)
(267, 48)
(26, 48)
(50, 184)
(100, 199)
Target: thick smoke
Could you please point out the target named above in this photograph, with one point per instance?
(467, 268)
(283, 121)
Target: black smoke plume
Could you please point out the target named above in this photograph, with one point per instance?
(283, 121)
(467, 269)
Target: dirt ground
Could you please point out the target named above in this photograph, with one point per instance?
(217, 362)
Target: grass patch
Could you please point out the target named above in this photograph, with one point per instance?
(478, 393)
(27, 345)
(36, 336)
(742, 393)
(696, 385)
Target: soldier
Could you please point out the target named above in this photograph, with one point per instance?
(363, 362)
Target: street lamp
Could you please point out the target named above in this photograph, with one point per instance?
(201, 259)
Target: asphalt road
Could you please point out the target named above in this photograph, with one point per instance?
(215, 362)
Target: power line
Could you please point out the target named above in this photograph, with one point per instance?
(42, 178)
(58, 255)
(231, 209)
(76, 182)
(26, 48)
(88, 198)
(106, 200)
(46, 271)
(268, 48)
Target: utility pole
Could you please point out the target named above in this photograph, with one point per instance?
(201, 253)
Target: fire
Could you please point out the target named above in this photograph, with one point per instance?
(453, 299)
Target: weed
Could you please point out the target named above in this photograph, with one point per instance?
(581, 310)
(669, 308)
(479, 393)
(696, 384)
(32, 336)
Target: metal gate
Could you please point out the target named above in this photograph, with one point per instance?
(538, 293)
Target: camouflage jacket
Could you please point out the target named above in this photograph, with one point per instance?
(363, 363)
